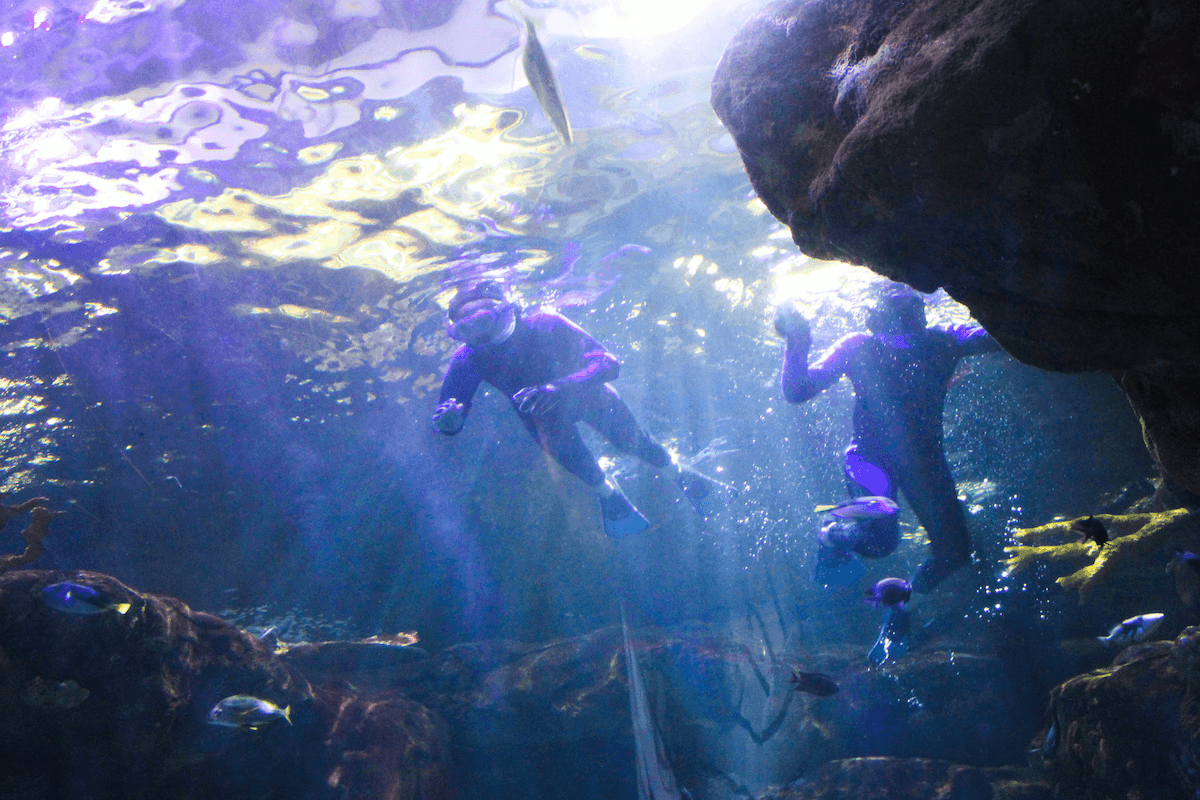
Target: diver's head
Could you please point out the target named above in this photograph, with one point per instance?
(481, 314)
(898, 311)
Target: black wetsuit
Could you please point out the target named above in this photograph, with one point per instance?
(899, 391)
(545, 347)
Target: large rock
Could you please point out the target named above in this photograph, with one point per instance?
(913, 779)
(116, 705)
(1040, 159)
(1130, 730)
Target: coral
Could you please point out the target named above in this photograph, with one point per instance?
(1133, 538)
(35, 532)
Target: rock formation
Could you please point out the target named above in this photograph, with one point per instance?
(1040, 159)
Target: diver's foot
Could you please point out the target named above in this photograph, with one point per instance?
(893, 637)
(837, 566)
(621, 519)
(705, 494)
(936, 570)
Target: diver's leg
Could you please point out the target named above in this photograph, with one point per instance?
(867, 475)
(558, 436)
(930, 490)
(605, 411)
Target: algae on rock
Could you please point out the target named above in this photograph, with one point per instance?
(1134, 537)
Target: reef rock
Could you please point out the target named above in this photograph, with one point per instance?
(1040, 159)
(1130, 730)
(912, 779)
(116, 705)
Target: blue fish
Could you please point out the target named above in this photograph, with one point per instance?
(868, 507)
(1132, 630)
(894, 592)
(246, 711)
(75, 598)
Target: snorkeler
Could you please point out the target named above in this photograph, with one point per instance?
(556, 376)
(900, 371)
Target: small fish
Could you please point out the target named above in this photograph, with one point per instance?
(1134, 629)
(1091, 528)
(868, 507)
(1183, 558)
(244, 711)
(594, 53)
(75, 598)
(813, 683)
(541, 79)
(894, 592)
(1050, 743)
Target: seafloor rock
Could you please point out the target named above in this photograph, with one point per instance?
(912, 779)
(558, 708)
(972, 705)
(116, 705)
(1040, 159)
(1130, 730)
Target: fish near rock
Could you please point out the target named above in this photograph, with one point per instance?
(892, 592)
(246, 711)
(1132, 630)
(814, 683)
(866, 507)
(76, 598)
(1091, 529)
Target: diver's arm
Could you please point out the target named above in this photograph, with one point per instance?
(971, 339)
(599, 367)
(458, 387)
(802, 381)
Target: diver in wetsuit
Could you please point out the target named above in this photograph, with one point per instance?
(900, 371)
(556, 376)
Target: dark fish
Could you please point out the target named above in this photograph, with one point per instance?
(1091, 528)
(813, 683)
(75, 598)
(245, 711)
(894, 592)
(541, 80)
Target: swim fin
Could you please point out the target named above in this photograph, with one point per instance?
(621, 519)
(837, 566)
(893, 636)
(707, 495)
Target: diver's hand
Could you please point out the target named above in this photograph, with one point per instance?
(538, 400)
(791, 324)
(449, 417)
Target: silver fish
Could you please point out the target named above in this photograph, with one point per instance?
(1132, 630)
(245, 711)
(541, 80)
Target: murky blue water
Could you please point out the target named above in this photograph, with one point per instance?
(228, 233)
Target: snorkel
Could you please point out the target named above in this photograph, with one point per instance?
(482, 315)
(898, 317)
